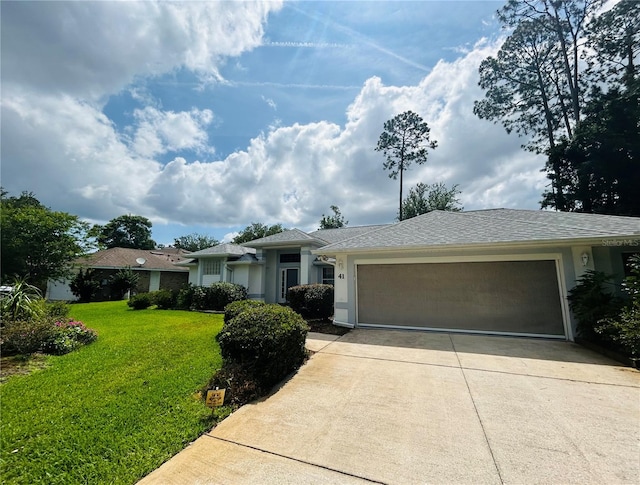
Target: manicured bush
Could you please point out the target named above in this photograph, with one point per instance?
(164, 299)
(295, 298)
(311, 301)
(233, 309)
(268, 341)
(217, 296)
(140, 301)
(184, 300)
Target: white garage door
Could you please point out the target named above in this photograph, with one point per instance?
(519, 297)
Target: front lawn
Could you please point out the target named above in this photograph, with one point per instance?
(116, 409)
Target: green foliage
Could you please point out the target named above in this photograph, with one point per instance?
(84, 285)
(405, 140)
(57, 310)
(141, 301)
(425, 198)
(195, 242)
(123, 281)
(37, 243)
(267, 341)
(23, 303)
(233, 309)
(592, 300)
(184, 300)
(256, 230)
(164, 299)
(241, 385)
(115, 410)
(26, 336)
(624, 329)
(126, 231)
(311, 301)
(217, 296)
(67, 336)
(335, 221)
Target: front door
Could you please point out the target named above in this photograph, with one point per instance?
(288, 277)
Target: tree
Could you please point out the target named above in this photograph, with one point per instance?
(256, 230)
(37, 243)
(195, 242)
(84, 285)
(425, 198)
(126, 231)
(123, 281)
(405, 140)
(334, 221)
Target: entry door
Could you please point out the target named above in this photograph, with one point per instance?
(288, 277)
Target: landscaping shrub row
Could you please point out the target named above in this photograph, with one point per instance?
(312, 301)
(215, 297)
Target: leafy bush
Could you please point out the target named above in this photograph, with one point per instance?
(140, 301)
(591, 301)
(624, 329)
(233, 309)
(124, 280)
(267, 341)
(313, 301)
(57, 310)
(44, 335)
(184, 300)
(164, 299)
(84, 285)
(217, 296)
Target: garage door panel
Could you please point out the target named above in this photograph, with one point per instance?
(506, 296)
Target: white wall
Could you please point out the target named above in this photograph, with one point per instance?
(59, 291)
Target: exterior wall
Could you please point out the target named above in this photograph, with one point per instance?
(255, 288)
(173, 281)
(154, 280)
(239, 275)
(193, 275)
(59, 291)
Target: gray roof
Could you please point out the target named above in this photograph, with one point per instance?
(233, 250)
(167, 259)
(284, 238)
(493, 226)
(331, 236)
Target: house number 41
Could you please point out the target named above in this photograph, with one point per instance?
(341, 276)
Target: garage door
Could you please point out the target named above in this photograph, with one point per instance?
(508, 296)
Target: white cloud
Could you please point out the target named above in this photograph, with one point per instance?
(159, 132)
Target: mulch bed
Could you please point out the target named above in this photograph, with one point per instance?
(326, 326)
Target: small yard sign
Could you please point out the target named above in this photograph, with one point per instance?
(215, 397)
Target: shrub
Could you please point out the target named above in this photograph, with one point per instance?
(267, 341)
(295, 298)
(591, 302)
(84, 285)
(57, 310)
(217, 296)
(184, 300)
(124, 280)
(26, 336)
(164, 299)
(233, 309)
(23, 303)
(314, 301)
(140, 301)
(68, 336)
(318, 301)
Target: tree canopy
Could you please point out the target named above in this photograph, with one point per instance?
(335, 221)
(38, 243)
(256, 230)
(425, 198)
(567, 79)
(126, 231)
(405, 140)
(195, 242)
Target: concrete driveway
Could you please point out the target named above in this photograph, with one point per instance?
(397, 407)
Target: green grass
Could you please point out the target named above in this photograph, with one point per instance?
(116, 409)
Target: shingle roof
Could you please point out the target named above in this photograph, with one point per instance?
(155, 259)
(340, 234)
(223, 250)
(493, 226)
(288, 236)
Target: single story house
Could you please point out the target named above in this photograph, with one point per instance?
(497, 271)
(156, 269)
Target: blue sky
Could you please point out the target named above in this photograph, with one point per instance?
(207, 116)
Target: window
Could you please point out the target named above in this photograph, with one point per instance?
(210, 266)
(290, 258)
(328, 275)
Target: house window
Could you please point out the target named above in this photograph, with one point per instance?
(328, 275)
(290, 258)
(210, 266)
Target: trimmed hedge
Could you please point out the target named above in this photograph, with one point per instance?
(267, 341)
(233, 309)
(141, 301)
(164, 299)
(217, 296)
(314, 301)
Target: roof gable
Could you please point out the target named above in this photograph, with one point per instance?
(284, 238)
(223, 250)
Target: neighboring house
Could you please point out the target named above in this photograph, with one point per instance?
(499, 271)
(156, 268)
